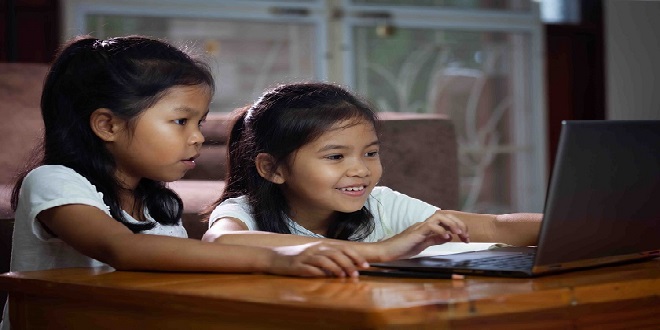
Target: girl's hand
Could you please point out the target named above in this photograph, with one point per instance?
(437, 229)
(317, 259)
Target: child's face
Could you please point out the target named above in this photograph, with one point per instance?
(336, 172)
(166, 137)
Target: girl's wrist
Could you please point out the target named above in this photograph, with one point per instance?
(270, 261)
(265, 260)
(374, 251)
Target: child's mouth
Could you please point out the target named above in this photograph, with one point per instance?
(354, 191)
(190, 162)
(349, 189)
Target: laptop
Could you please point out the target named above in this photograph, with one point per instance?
(602, 207)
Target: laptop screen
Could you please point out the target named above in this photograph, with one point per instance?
(604, 194)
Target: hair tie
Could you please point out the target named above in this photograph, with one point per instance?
(103, 43)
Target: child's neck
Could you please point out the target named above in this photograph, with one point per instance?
(317, 225)
(130, 205)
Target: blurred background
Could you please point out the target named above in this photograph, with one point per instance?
(507, 72)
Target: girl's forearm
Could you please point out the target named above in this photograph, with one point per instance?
(370, 251)
(257, 238)
(520, 229)
(155, 252)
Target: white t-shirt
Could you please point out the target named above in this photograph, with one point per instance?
(33, 247)
(48, 186)
(393, 212)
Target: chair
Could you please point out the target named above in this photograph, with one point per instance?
(21, 126)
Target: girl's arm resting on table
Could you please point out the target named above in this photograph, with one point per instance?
(408, 243)
(234, 231)
(93, 233)
(519, 229)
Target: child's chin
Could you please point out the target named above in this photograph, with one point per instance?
(351, 209)
(168, 179)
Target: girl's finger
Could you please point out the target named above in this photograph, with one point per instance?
(436, 226)
(464, 235)
(451, 222)
(328, 265)
(345, 262)
(356, 259)
(460, 224)
(312, 271)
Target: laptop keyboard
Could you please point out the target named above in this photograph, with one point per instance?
(515, 262)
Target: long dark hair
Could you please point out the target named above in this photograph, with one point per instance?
(279, 123)
(126, 75)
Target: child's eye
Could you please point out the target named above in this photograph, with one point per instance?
(334, 157)
(201, 122)
(181, 121)
(372, 154)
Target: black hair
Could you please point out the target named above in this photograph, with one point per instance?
(126, 75)
(279, 123)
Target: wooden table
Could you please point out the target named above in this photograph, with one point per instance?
(626, 296)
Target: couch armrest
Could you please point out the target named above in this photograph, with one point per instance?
(419, 156)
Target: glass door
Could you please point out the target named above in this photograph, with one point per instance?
(477, 62)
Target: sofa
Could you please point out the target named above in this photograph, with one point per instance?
(418, 151)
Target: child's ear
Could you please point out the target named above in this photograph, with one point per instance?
(268, 169)
(105, 124)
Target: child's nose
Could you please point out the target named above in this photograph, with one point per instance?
(359, 168)
(197, 137)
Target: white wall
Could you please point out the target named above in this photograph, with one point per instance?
(632, 43)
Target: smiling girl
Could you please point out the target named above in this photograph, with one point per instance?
(304, 164)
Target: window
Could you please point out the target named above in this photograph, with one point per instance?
(478, 62)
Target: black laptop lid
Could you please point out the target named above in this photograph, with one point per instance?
(604, 195)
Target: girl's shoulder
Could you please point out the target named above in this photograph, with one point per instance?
(231, 206)
(385, 197)
(238, 208)
(54, 185)
(49, 172)
(53, 175)
(241, 201)
(380, 192)
(53, 170)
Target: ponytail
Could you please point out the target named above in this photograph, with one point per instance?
(236, 182)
